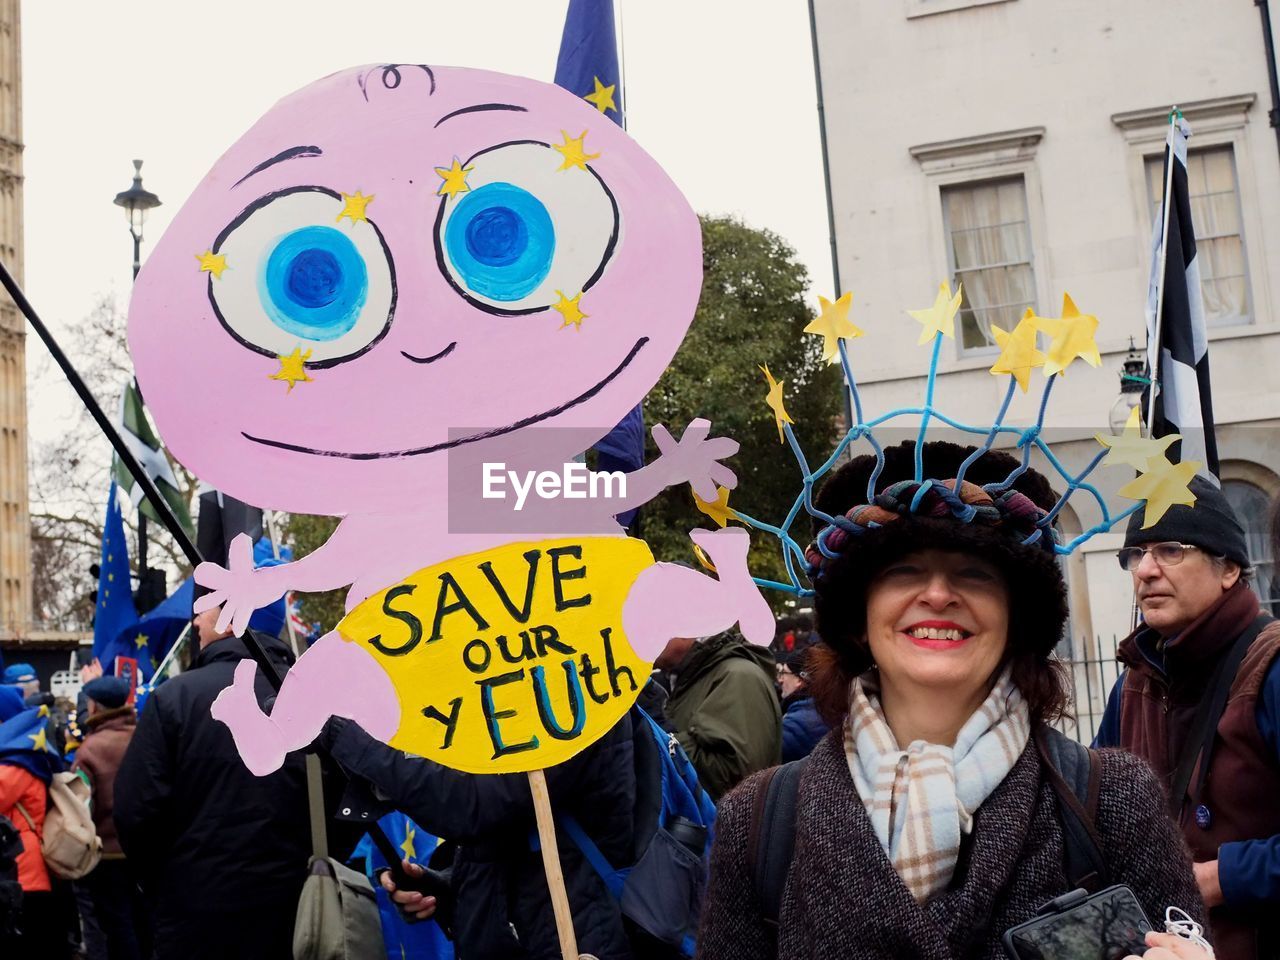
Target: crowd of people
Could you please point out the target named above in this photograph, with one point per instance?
(889, 778)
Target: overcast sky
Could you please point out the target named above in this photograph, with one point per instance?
(721, 92)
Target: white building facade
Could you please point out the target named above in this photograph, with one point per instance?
(1015, 145)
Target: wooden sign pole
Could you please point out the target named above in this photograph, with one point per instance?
(551, 864)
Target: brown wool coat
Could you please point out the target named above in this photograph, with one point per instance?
(844, 899)
(107, 737)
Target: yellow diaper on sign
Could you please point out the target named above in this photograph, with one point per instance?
(512, 659)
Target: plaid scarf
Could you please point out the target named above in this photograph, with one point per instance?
(923, 798)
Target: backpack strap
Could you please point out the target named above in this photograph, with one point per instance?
(772, 838)
(1197, 752)
(1075, 772)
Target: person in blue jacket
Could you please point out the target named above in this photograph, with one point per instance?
(802, 726)
(1200, 618)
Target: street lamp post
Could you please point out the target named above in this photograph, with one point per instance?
(1132, 383)
(136, 202)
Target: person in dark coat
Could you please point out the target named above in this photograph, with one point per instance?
(936, 670)
(122, 929)
(1190, 578)
(802, 725)
(502, 907)
(723, 707)
(221, 854)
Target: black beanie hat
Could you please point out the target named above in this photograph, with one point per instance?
(1038, 612)
(1209, 523)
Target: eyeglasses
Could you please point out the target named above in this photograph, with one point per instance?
(1170, 553)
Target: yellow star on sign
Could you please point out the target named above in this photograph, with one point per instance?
(833, 324)
(409, 852)
(941, 317)
(140, 641)
(1072, 336)
(353, 207)
(39, 740)
(211, 262)
(602, 97)
(570, 310)
(1018, 353)
(454, 179)
(774, 400)
(573, 151)
(1133, 449)
(1163, 485)
(717, 509)
(292, 368)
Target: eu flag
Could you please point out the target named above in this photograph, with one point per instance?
(588, 66)
(114, 611)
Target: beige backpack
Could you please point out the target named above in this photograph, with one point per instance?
(69, 844)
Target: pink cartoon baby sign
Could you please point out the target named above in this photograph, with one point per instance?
(395, 266)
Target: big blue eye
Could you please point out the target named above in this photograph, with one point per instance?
(314, 282)
(501, 241)
(523, 231)
(297, 277)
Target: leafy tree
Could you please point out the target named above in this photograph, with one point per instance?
(309, 534)
(753, 311)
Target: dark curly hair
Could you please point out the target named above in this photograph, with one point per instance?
(1038, 612)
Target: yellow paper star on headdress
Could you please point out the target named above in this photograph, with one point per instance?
(569, 308)
(1133, 449)
(453, 179)
(1163, 485)
(292, 368)
(1018, 353)
(353, 207)
(941, 317)
(774, 400)
(1072, 336)
(703, 559)
(833, 324)
(602, 96)
(409, 852)
(140, 641)
(39, 740)
(573, 151)
(717, 509)
(211, 262)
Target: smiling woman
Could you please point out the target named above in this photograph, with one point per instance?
(931, 814)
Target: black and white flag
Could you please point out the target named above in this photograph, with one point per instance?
(1184, 404)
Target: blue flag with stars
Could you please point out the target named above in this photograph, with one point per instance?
(115, 610)
(403, 940)
(588, 66)
(24, 742)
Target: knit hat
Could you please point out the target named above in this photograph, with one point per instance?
(17, 673)
(1210, 524)
(989, 524)
(109, 692)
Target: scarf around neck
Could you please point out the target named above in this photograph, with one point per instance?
(921, 799)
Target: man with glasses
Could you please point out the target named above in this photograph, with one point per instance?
(1200, 701)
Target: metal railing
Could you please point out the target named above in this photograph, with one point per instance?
(1093, 671)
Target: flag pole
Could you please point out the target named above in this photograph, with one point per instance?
(1154, 354)
(622, 63)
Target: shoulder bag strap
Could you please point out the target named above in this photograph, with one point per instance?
(1075, 773)
(772, 839)
(1198, 749)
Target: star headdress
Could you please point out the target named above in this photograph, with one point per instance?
(1160, 483)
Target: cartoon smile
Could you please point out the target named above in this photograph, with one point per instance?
(470, 438)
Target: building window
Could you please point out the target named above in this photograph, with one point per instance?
(989, 250)
(1215, 212)
(1253, 508)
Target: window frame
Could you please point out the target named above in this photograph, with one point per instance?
(1220, 121)
(1247, 318)
(978, 159)
(963, 352)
